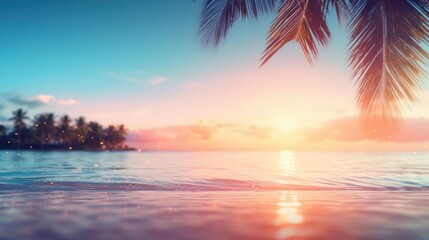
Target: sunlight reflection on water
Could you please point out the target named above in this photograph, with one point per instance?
(214, 215)
(285, 170)
(216, 195)
(287, 164)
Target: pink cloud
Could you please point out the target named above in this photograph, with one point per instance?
(199, 134)
(49, 99)
(349, 129)
(259, 132)
(68, 102)
(157, 80)
(182, 133)
(44, 98)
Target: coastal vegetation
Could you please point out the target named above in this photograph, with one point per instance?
(46, 132)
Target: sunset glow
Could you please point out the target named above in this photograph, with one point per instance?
(184, 97)
(214, 119)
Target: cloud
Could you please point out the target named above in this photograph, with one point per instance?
(137, 77)
(25, 102)
(341, 111)
(70, 101)
(349, 129)
(184, 133)
(39, 100)
(157, 80)
(259, 132)
(44, 98)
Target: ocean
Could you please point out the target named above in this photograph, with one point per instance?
(214, 195)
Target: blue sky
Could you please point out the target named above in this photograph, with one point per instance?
(80, 49)
(141, 63)
(75, 42)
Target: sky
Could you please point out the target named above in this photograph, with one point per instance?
(142, 64)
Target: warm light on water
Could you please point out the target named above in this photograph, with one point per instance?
(214, 195)
(284, 170)
(289, 206)
(286, 164)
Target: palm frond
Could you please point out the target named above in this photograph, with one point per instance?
(341, 8)
(300, 20)
(217, 16)
(386, 55)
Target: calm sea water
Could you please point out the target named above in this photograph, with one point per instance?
(214, 195)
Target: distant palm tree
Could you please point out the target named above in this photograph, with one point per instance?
(2, 136)
(52, 131)
(122, 133)
(385, 38)
(44, 128)
(95, 136)
(2, 131)
(18, 118)
(115, 137)
(65, 131)
(80, 133)
(110, 137)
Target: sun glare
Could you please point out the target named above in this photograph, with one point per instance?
(285, 127)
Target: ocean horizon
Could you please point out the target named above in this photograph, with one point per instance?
(236, 195)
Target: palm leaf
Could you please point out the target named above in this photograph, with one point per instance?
(300, 20)
(341, 8)
(386, 55)
(217, 16)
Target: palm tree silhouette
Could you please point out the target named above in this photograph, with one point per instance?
(62, 135)
(2, 135)
(2, 131)
(65, 131)
(81, 131)
(115, 137)
(122, 133)
(384, 51)
(18, 117)
(95, 137)
(44, 128)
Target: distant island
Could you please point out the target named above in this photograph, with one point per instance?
(46, 133)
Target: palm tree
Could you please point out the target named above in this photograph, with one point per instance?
(52, 131)
(110, 137)
(95, 137)
(115, 137)
(18, 118)
(65, 132)
(44, 128)
(122, 133)
(2, 135)
(81, 130)
(385, 36)
(2, 131)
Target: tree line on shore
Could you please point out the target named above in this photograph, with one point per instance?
(46, 133)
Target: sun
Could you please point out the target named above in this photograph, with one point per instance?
(285, 127)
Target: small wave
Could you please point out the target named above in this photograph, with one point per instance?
(200, 185)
